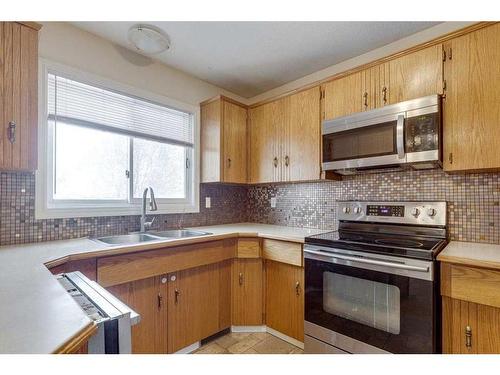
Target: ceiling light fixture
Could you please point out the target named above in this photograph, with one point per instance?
(148, 39)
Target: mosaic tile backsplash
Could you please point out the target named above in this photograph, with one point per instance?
(473, 205)
(473, 200)
(18, 223)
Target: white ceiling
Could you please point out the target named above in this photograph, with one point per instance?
(249, 58)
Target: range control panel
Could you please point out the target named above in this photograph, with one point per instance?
(417, 213)
(383, 210)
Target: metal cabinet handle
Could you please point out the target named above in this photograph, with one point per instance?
(287, 161)
(297, 288)
(177, 293)
(384, 94)
(365, 97)
(11, 132)
(160, 301)
(450, 157)
(229, 162)
(275, 162)
(240, 278)
(468, 336)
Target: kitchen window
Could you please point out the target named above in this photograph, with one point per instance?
(102, 144)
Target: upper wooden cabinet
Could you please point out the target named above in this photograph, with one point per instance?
(416, 75)
(285, 138)
(223, 141)
(18, 96)
(471, 108)
(343, 96)
(408, 77)
(266, 124)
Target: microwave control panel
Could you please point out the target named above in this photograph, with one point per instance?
(422, 132)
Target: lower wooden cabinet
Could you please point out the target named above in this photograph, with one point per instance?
(247, 292)
(470, 328)
(471, 309)
(197, 303)
(148, 298)
(285, 299)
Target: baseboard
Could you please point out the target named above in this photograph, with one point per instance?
(248, 329)
(286, 338)
(189, 349)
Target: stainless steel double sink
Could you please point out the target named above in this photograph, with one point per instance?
(135, 238)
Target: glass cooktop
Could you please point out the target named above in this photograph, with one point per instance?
(400, 245)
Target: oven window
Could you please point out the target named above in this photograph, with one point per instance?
(364, 301)
(370, 141)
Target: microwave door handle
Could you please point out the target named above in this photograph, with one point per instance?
(400, 140)
(368, 261)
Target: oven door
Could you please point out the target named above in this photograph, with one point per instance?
(365, 143)
(366, 303)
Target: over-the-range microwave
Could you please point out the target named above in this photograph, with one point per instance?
(406, 134)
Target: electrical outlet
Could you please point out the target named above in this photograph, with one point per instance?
(208, 203)
(273, 202)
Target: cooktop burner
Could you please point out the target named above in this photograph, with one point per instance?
(400, 245)
(399, 242)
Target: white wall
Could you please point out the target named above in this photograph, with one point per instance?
(389, 49)
(69, 45)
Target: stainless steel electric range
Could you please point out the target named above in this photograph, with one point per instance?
(373, 286)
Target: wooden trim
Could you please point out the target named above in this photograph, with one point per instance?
(76, 342)
(248, 248)
(223, 98)
(418, 47)
(282, 251)
(33, 25)
(470, 284)
(493, 265)
(120, 269)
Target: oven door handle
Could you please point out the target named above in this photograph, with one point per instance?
(400, 140)
(368, 261)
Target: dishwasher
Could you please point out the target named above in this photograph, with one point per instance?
(113, 318)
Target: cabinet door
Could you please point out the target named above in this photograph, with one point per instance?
(470, 328)
(193, 306)
(210, 142)
(266, 123)
(285, 299)
(302, 153)
(471, 110)
(375, 86)
(148, 298)
(234, 120)
(343, 96)
(18, 96)
(247, 292)
(488, 329)
(416, 75)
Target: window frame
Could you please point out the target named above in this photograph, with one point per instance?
(46, 207)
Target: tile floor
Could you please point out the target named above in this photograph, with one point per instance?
(248, 343)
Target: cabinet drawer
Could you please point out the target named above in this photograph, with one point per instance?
(248, 248)
(471, 284)
(282, 251)
(119, 269)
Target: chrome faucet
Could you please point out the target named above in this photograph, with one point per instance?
(145, 225)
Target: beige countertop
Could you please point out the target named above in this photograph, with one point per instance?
(471, 254)
(36, 313)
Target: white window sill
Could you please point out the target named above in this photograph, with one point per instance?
(73, 212)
